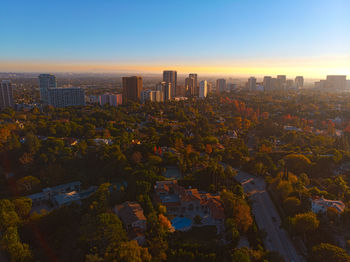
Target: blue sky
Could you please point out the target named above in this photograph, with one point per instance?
(144, 32)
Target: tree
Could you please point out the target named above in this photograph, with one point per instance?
(237, 209)
(241, 255)
(325, 252)
(297, 163)
(23, 206)
(11, 243)
(8, 215)
(165, 223)
(129, 251)
(305, 223)
(102, 231)
(28, 183)
(231, 232)
(291, 205)
(32, 143)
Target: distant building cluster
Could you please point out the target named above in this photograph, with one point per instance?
(50, 94)
(333, 82)
(167, 90)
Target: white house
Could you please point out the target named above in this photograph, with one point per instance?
(320, 205)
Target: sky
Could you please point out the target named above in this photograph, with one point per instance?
(233, 37)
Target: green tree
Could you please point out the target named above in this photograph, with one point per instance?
(129, 251)
(291, 205)
(305, 223)
(325, 252)
(8, 215)
(11, 243)
(23, 206)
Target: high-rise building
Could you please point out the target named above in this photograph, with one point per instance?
(132, 87)
(6, 94)
(190, 83)
(281, 81)
(203, 89)
(299, 81)
(46, 81)
(195, 85)
(111, 99)
(171, 77)
(165, 90)
(63, 97)
(336, 82)
(290, 84)
(220, 85)
(210, 87)
(151, 95)
(252, 83)
(267, 83)
(180, 91)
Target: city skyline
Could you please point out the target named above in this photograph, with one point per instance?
(240, 38)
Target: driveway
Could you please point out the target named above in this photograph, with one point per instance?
(267, 218)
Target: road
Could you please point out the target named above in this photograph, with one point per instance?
(267, 218)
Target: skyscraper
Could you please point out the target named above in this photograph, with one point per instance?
(190, 86)
(252, 83)
(220, 85)
(195, 84)
(171, 77)
(6, 94)
(281, 80)
(299, 81)
(165, 89)
(337, 82)
(111, 99)
(132, 87)
(46, 81)
(63, 97)
(151, 95)
(203, 89)
(267, 83)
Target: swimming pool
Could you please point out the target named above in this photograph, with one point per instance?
(181, 223)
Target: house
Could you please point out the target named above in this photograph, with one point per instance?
(190, 203)
(292, 128)
(135, 222)
(49, 193)
(66, 198)
(320, 205)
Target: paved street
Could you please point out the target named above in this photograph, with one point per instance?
(267, 218)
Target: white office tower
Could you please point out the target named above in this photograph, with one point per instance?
(203, 89)
(252, 84)
(299, 81)
(63, 97)
(46, 81)
(220, 85)
(6, 94)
